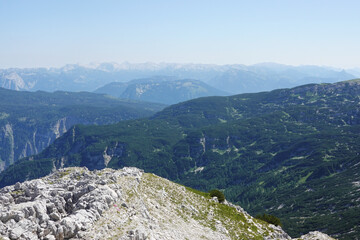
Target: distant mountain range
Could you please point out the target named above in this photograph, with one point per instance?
(229, 78)
(293, 153)
(30, 121)
(164, 90)
(270, 76)
(354, 71)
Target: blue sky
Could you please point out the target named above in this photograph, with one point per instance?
(54, 33)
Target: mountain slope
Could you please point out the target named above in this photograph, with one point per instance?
(114, 89)
(289, 152)
(30, 121)
(122, 204)
(160, 90)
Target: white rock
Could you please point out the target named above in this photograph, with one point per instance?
(315, 235)
(55, 216)
(77, 203)
(69, 227)
(15, 233)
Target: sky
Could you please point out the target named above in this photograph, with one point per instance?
(46, 33)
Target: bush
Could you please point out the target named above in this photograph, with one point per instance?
(269, 218)
(216, 193)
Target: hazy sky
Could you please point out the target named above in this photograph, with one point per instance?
(54, 33)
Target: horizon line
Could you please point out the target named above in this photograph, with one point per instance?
(96, 64)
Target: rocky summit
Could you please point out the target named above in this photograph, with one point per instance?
(75, 203)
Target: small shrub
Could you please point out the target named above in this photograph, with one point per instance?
(269, 218)
(216, 193)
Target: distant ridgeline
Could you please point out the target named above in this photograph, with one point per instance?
(292, 153)
(30, 121)
(164, 90)
(235, 78)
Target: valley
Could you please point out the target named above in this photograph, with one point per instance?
(190, 120)
(292, 152)
(31, 121)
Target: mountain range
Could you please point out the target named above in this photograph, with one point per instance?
(166, 90)
(292, 152)
(234, 79)
(31, 121)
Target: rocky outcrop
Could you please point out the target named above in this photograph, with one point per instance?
(75, 203)
(100, 161)
(315, 236)
(61, 205)
(13, 81)
(6, 146)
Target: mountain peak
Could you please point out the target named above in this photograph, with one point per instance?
(122, 204)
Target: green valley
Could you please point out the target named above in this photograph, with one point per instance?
(30, 121)
(292, 153)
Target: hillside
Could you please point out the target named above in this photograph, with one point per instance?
(30, 121)
(289, 152)
(123, 204)
(114, 89)
(163, 90)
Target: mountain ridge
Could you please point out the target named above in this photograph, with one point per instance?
(30, 121)
(234, 78)
(74, 203)
(165, 90)
(261, 148)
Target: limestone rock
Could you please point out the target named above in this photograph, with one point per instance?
(315, 236)
(127, 204)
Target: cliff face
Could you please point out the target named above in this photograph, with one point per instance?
(122, 204)
(31, 121)
(6, 142)
(17, 142)
(13, 81)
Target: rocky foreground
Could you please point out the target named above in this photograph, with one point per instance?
(75, 203)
